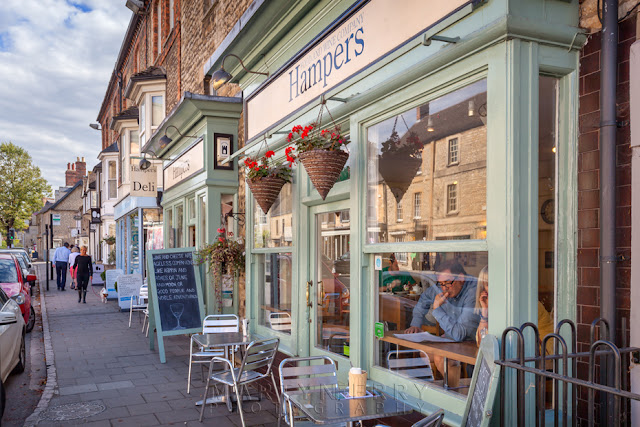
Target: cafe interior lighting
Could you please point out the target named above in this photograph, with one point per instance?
(430, 124)
(221, 76)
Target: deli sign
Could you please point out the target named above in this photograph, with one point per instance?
(362, 37)
(187, 164)
(144, 181)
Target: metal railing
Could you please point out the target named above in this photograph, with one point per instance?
(561, 370)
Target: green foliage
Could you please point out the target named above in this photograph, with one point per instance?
(22, 187)
(103, 276)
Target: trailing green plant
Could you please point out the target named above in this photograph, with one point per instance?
(110, 240)
(223, 256)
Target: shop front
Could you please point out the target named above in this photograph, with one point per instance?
(138, 228)
(199, 189)
(461, 118)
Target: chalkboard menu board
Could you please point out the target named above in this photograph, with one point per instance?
(175, 294)
(177, 291)
(479, 409)
(476, 412)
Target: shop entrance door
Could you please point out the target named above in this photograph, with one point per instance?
(329, 290)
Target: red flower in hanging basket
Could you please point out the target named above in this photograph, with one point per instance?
(321, 154)
(265, 166)
(306, 139)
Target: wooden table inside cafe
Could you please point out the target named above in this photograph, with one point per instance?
(465, 351)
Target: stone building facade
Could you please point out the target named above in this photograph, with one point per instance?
(68, 207)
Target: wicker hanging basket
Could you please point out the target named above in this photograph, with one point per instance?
(398, 171)
(266, 190)
(324, 168)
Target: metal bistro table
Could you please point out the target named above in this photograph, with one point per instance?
(225, 340)
(332, 407)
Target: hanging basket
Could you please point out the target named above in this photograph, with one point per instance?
(266, 190)
(398, 171)
(324, 168)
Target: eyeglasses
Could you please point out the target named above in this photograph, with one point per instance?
(445, 284)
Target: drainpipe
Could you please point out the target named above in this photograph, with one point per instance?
(608, 83)
(608, 127)
(120, 89)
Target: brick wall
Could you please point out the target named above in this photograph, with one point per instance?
(588, 295)
(203, 29)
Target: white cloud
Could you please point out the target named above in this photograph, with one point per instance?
(56, 58)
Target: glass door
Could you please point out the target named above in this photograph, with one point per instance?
(329, 291)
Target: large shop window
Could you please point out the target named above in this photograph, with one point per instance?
(436, 299)
(437, 150)
(152, 222)
(275, 291)
(275, 228)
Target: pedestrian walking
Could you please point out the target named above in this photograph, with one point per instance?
(75, 251)
(61, 260)
(84, 271)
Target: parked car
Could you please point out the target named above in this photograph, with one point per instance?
(12, 346)
(25, 263)
(16, 286)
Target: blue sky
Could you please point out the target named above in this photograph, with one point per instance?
(56, 58)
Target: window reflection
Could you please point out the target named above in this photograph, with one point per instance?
(275, 229)
(275, 294)
(430, 161)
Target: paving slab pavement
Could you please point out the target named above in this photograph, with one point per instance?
(107, 376)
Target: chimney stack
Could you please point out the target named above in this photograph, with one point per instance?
(75, 172)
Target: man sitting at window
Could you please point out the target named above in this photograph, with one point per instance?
(451, 303)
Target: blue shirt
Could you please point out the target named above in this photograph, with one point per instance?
(456, 316)
(61, 254)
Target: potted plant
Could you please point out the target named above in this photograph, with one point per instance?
(110, 240)
(266, 177)
(321, 154)
(223, 256)
(399, 161)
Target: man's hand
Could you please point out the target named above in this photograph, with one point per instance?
(412, 330)
(440, 299)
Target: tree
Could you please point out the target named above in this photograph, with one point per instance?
(22, 187)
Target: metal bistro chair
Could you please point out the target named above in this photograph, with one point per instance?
(141, 301)
(412, 363)
(296, 378)
(259, 354)
(433, 420)
(280, 322)
(212, 324)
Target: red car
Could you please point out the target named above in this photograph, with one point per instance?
(16, 286)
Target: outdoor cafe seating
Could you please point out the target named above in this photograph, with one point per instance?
(212, 324)
(258, 356)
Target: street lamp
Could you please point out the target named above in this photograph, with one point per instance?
(95, 126)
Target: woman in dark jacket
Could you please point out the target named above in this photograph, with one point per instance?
(84, 271)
